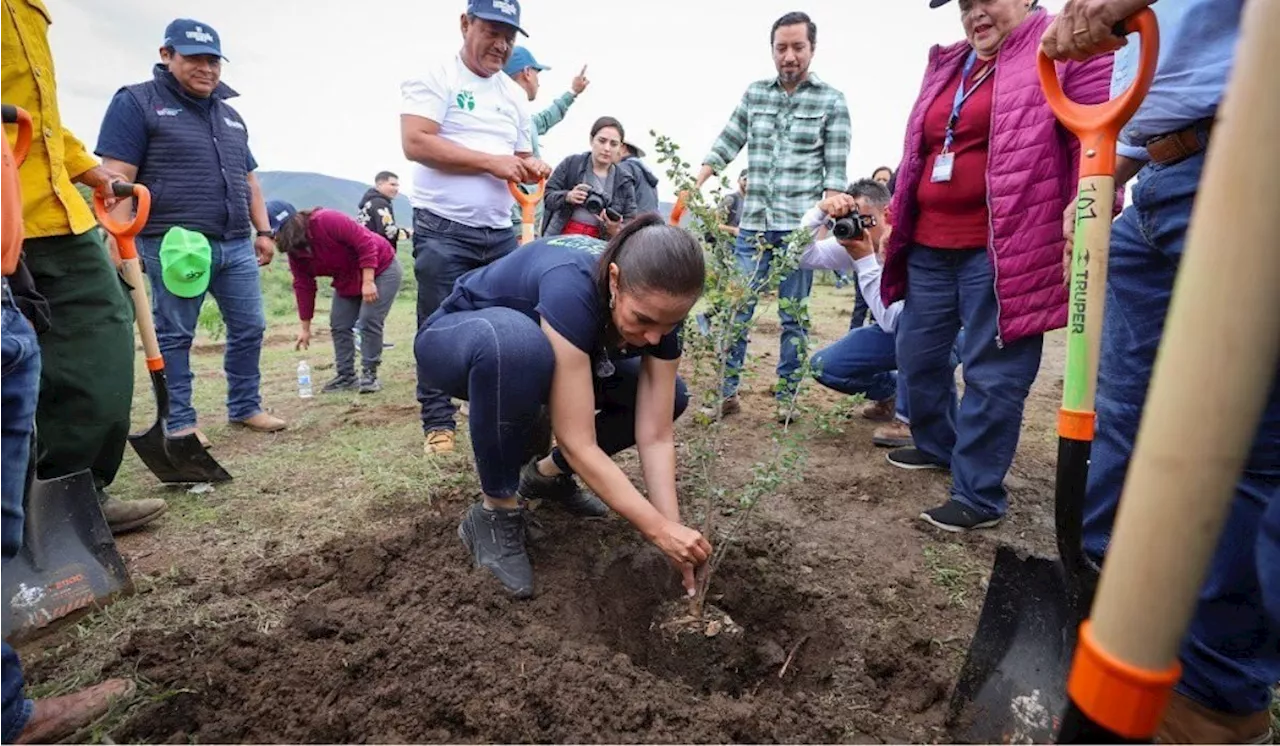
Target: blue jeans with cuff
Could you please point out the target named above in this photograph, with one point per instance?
(20, 381)
(795, 286)
(443, 251)
(236, 286)
(499, 360)
(1231, 654)
(948, 289)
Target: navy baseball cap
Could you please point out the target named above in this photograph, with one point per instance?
(522, 59)
(278, 212)
(190, 38)
(498, 11)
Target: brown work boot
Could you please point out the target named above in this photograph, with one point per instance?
(262, 423)
(124, 516)
(184, 432)
(438, 441)
(880, 411)
(896, 434)
(58, 718)
(1188, 721)
(728, 405)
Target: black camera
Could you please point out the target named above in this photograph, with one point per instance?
(851, 226)
(595, 202)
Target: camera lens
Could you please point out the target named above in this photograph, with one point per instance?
(847, 229)
(594, 203)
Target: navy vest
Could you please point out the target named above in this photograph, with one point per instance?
(197, 161)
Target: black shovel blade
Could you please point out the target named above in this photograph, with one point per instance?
(177, 460)
(1012, 688)
(68, 563)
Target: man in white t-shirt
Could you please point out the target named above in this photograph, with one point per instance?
(466, 128)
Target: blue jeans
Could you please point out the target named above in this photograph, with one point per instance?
(795, 286)
(948, 289)
(500, 360)
(865, 361)
(1231, 655)
(443, 251)
(236, 286)
(20, 360)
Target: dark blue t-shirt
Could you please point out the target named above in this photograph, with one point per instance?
(553, 279)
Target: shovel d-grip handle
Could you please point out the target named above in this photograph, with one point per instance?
(677, 210)
(125, 231)
(19, 116)
(1098, 125)
(527, 204)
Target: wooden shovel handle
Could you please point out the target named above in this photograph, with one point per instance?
(527, 202)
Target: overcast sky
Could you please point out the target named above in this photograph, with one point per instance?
(319, 79)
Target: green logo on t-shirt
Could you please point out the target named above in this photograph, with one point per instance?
(466, 101)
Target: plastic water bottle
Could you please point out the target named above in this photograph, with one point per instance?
(304, 380)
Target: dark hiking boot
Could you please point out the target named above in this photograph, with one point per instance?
(495, 539)
(880, 411)
(562, 490)
(957, 517)
(341, 383)
(369, 381)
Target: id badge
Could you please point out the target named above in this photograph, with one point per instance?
(942, 167)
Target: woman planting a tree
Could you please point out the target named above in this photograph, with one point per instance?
(580, 326)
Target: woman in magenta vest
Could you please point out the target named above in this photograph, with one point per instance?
(366, 278)
(977, 243)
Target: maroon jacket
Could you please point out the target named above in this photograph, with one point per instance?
(1031, 176)
(340, 248)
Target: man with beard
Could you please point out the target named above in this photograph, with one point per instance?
(467, 130)
(796, 131)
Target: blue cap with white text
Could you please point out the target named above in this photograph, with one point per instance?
(498, 11)
(190, 38)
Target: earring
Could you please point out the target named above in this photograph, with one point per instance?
(613, 302)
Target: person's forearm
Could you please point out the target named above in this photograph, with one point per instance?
(306, 325)
(730, 229)
(604, 478)
(658, 463)
(366, 274)
(704, 173)
(441, 154)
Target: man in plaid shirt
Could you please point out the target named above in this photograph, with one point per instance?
(796, 129)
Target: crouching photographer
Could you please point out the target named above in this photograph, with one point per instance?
(587, 193)
(864, 361)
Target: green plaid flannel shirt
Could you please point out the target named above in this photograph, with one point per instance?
(797, 147)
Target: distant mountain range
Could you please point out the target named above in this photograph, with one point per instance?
(305, 189)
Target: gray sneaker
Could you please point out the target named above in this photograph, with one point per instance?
(495, 539)
(341, 383)
(369, 383)
(562, 490)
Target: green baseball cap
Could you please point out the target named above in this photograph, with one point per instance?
(185, 261)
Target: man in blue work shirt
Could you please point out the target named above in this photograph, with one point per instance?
(177, 135)
(523, 68)
(1231, 654)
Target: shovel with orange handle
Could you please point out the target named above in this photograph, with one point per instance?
(1199, 418)
(527, 202)
(180, 460)
(1012, 687)
(677, 210)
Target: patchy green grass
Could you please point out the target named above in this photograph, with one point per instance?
(953, 570)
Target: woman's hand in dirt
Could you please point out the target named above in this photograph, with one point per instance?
(370, 291)
(684, 546)
(304, 340)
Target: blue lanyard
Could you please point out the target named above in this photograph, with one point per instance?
(961, 96)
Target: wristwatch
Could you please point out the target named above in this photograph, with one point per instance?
(266, 234)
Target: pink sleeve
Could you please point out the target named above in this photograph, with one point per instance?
(354, 237)
(304, 287)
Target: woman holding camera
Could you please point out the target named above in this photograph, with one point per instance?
(592, 331)
(986, 174)
(588, 194)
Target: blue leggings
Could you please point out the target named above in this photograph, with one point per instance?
(500, 361)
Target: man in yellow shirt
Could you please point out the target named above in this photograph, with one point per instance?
(86, 383)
